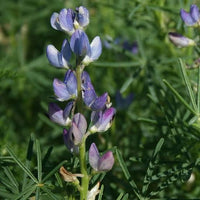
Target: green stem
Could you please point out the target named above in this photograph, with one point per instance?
(82, 147)
(79, 92)
(85, 179)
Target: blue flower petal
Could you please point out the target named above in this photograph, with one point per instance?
(99, 102)
(79, 43)
(82, 16)
(66, 18)
(187, 18)
(71, 82)
(54, 21)
(60, 90)
(194, 12)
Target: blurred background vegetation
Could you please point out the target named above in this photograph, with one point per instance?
(26, 86)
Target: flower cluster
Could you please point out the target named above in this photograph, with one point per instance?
(77, 87)
(192, 19)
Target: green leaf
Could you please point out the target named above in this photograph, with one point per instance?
(120, 196)
(49, 193)
(52, 172)
(151, 166)
(126, 172)
(101, 192)
(180, 98)
(21, 165)
(188, 85)
(12, 179)
(39, 161)
(125, 197)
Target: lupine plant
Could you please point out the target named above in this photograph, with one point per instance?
(77, 90)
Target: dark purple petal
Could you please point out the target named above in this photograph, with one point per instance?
(71, 82)
(194, 12)
(106, 162)
(54, 21)
(69, 143)
(66, 19)
(68, 109)
(80, 122)
(94, 156)
(79, 43)
(99, 102)
(187, 18)
(60, 90)
(123, 103)
(56, 114)
(82, 16)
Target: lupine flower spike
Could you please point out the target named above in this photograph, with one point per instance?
(191, 18)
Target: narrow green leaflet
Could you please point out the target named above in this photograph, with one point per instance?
(21, 165)
(188, 84)
(39, 161)
(179, 97)
(101, 192)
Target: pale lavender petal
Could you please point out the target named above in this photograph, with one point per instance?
(66, 18)
(99, 102)
(187, 18)
(71, 82)
(60, 90)
(56, 114)
(80, 122)
(82, 16)
(54, 56)
(94, 156)
(96, 48)
(194, 12)
(106, 162)
(54, 21)
(76, 134)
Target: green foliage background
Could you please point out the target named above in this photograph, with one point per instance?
(26, 89)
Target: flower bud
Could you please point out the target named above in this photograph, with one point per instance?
(180, 41)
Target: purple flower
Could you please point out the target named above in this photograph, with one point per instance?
(191, 18)
(123, 103)
(67, 136)
(79, 43)
(59, 59)
(73, 137)
(180, 40)
(132, 47)
(66, 90)
(102, 120)
(68, 20)
(89, 95)
(59, 116)
(100, 163)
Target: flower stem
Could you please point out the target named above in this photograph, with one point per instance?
(83, 166)
(82, 148)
